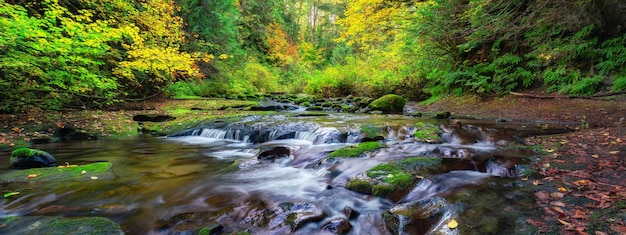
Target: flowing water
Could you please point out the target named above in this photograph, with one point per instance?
(272, 175)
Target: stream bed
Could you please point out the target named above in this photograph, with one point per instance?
(275, 175)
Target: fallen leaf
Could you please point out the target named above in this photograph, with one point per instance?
(614, 152)
(94, 177)
(11, 194)
(453, 224)
(557, 203)
(32, 176)
(595, 156)
(563, 222)
(581, 182)
(83, 172)
(562, 189)
(579, 214)
(559, 210)
(557, 195)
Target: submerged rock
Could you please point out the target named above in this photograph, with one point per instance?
(25, 158)
(58, 225)
(275, 153)
(350, 212)
(94, 171)
(338, 226)
(428, 216)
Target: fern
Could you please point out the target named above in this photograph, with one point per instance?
(620, 83)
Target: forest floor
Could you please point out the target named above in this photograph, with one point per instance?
(581, 178)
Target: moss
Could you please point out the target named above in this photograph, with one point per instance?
(443, 115)
(101, 170)
(305, 104)
(356, 151)
(360, 185)
(389, 103)
(22, 153)
(428, 133)
(421, 165)
(315, 108)
(420, 160)
(371, 131)
(92, 225)
(392, 174)
(382, 190)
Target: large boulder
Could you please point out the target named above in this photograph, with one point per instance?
(389, 104)
(25, 158)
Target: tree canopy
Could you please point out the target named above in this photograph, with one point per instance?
(80, 53)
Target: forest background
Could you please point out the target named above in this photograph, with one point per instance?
(56, 54)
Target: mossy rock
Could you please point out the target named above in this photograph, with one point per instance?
(315, 108)
(360, 185)
(389, 104)
(371, 133)
(428, 133)
(421, 165)
(382, 190)
(357, 150)
(391, 174)
(93, 171)
(58, 225)
(23, 158)
(443, 115)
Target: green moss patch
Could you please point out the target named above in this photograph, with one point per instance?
(392, 174)
(371, 132)
(94, 171)
(421, 165)
(59, 225)
(358, 150)
(389, 103)
(360, 185)
(428, 133)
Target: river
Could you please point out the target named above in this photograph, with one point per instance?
(272, 175)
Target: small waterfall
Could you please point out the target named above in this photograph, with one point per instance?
(327, 135)
(443, 184)
(306, 135)
(221, 134)
(501, 170)
(271, 135)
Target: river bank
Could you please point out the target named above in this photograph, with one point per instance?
(581, 181)
(580, 177)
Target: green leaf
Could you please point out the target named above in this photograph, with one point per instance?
(11, 194)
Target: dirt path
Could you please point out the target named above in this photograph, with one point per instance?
(582, 177)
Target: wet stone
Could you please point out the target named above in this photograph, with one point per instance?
(25, 158)
(58, 225)
(275, 153)
(338, 226)
(350, 212)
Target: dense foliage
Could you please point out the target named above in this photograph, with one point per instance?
(81, 53)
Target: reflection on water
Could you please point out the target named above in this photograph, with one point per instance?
(211, 175)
